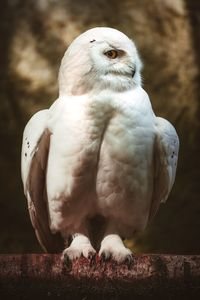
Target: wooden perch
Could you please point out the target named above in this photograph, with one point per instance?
(149, 277)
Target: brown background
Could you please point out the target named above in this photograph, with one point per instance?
(33, 37)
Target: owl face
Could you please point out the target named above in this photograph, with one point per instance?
(114, 62)
(100, 58)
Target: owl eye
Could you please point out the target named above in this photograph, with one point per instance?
(111, 54)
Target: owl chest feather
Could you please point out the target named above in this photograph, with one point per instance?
(124, 174)
(100, 151)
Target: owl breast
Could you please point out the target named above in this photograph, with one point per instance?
(99, 160)
(124, 180)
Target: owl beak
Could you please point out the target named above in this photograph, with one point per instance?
(132, 71)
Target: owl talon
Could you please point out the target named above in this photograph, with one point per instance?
(66, 260)
(129, 260)
(105, 256)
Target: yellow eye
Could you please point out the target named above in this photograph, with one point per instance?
(111, 54)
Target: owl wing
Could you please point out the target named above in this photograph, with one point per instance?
(165, 163)
(35, 149)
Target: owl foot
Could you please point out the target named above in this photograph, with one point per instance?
(80, 246)
(112, 247)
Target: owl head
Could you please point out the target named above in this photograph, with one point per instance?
(100, 58)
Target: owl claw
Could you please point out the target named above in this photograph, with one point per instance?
(105, 256)
(128, 260)
(66, 260)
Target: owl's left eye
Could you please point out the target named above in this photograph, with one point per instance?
(111, 54)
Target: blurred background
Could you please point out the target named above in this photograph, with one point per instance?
(33, 37)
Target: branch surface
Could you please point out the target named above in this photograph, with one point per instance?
(44, 276)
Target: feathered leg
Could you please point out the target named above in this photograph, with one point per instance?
(80, 246)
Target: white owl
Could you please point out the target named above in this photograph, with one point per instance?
(98, 163)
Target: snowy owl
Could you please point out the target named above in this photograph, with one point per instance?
(97, 164)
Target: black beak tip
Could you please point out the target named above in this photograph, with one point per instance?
(133, 73)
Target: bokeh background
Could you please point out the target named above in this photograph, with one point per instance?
(33, 37)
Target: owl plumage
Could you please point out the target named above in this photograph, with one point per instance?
(97, 164)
